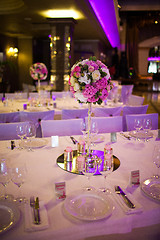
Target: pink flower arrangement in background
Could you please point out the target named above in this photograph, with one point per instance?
(90, 81)
(38, 71)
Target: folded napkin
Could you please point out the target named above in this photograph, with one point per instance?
(119, 199)
(29, 223)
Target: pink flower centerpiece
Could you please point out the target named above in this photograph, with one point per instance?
(38, 71)
(90, 81)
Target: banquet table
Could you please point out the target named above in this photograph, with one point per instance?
(14, 105)
(43, 172)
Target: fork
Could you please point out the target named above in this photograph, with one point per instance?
(32, 204)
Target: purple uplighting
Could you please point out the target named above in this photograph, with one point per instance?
(105, 12)
(154, 59)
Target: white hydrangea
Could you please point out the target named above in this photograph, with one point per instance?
(106, 70)
(84, 79)
(96, 75)
(78, 95)
(76, 87)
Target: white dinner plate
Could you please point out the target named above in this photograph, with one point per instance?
(35, 143)
(151, 187)
(141, 135)
(9, 215)
(89, 205)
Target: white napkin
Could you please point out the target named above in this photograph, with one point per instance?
(119, 199)
(29, 224)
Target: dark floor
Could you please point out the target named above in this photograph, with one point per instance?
(152, 99)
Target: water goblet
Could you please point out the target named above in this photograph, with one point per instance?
(156, 158)
(105, 169)
(138, 124)
(5, 179)
(18, 176)
(21, 133)
(147, 125)
(89, 168)
(30, 134)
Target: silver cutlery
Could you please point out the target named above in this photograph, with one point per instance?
(37, 210)
(126, 136)
(73, 140)
(127, 201)
(32, 204)
(35, 206)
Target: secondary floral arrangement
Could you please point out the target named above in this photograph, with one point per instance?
(90, 81)
(38, 71)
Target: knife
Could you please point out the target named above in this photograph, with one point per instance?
(38, 220)
(73, 140)
(126, 136)
(118, 190)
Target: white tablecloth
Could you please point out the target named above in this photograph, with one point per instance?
(43, 173)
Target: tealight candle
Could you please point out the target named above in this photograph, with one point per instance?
(81, 147)
(68, 154)
(80, 163)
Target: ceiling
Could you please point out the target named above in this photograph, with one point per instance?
(22, 18)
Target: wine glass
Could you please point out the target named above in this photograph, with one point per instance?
(21, 133)
(18, 176)
(4, 178)
(138, 124)
(30, 134)
(147, 125)
(156, 158)
(83, 127)
(105, 169)
(89, 168)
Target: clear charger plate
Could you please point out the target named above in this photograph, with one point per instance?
(151, 187)
(35, 143)
(9, 215)
(89, 205)
(141, 134)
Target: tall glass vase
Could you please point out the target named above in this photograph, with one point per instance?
(39, 87)
(89, 130)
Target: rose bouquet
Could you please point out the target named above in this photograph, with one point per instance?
(38, 71)
(90, 81)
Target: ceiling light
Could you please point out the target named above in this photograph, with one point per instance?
(63, 13)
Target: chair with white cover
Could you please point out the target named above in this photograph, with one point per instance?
(33, 95)
(130, 120)
(74, 113)
(65, 127)
(8, 130)
(106, 112)
(36, 118)
(135, 100)
(108, 124)
(58, 94)
(126, 92)
(133, 110)
(9, 117)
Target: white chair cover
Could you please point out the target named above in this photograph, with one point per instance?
(61, 127)
(74, 113)
(106, 112)
(113, 93)
(130, 119)
(33, 95)
(108, 124)
(58, 94)
(132, 110)
(126, 92)
(9, 117)
(134, 100)
(8, 130)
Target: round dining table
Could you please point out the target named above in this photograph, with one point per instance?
(43, 173)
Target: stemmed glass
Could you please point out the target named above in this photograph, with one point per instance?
(147, 125)
(156, 158)
(30, 133)
(105, 169)
(21, 133)
(89, 169)
(138, 124)
(4, 178)
(18, 176)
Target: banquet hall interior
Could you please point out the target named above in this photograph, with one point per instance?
(42, 44)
